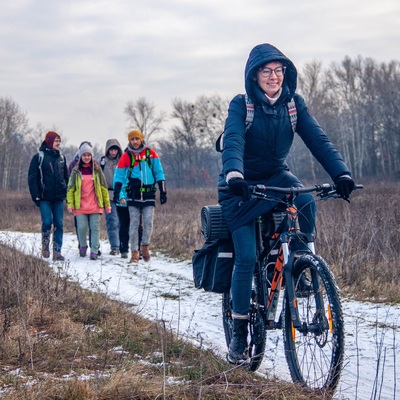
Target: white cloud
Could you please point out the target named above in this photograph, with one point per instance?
(75, 64)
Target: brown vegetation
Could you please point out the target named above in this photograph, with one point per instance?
(59, 341)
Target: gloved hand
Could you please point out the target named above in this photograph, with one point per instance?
(239, 187)
(344, 186)
(163, 197)
(37, 202)
(163, 191)
(117, 191)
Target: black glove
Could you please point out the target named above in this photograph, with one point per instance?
(344, 186)
(163, 191)
(163, 197)
(117, 191)
(239, 187)
(37, 202)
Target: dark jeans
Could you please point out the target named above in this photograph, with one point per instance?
(124, 222)
(245, 249)
(52, 213)
(124, 226)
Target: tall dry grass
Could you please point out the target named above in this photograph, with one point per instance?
(61, 342)
(360, 240)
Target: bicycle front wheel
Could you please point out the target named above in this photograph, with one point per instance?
(314, 352)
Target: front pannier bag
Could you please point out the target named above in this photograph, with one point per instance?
(213, 266)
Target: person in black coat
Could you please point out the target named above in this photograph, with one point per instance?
(256, 154)
(48, 180)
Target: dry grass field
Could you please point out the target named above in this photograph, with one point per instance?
(61, 342)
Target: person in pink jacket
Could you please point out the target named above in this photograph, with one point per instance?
(87, 197)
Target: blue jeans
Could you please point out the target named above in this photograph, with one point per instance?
(113, 227)
(147, 214)
(245, 253)
(52, 213)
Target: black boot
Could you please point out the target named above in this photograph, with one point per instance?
(238, 350)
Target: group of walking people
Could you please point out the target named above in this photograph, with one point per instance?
(123, 185)
(254, 152)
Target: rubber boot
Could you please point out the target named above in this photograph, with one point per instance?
(238, 349)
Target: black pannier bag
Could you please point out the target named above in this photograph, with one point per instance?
(213, 266)
(213, 263)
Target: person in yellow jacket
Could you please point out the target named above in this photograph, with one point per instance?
(87, 197)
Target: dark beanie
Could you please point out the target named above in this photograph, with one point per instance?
(50, 137)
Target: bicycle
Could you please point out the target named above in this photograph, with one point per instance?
(311, 315)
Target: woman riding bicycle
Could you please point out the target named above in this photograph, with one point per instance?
(256, 155)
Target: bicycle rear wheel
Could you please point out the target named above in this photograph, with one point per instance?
(257, 332)
(314, 352)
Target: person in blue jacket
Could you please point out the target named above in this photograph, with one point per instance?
(135, 178)
(257, 156)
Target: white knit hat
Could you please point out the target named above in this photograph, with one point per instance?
(85, 148)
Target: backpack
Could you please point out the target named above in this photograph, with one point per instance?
(250, 117)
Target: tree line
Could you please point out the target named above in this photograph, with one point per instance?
(356, 101)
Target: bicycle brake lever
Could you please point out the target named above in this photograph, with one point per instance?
(330, 194)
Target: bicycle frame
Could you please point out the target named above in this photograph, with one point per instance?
(283, 270)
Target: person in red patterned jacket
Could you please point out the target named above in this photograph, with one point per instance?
(135, 178)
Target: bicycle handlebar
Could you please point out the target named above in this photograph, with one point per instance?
(323, 190)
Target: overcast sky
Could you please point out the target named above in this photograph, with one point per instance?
(74, 65)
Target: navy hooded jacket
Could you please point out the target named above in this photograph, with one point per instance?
(260, 153)
(49, 184)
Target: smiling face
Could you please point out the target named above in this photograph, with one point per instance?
(135, 142)
(57, 143)
(86, 158)
(271, 84)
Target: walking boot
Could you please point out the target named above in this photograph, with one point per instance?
(57, 256)
(82, 251)
(238, 349)
(145, 253)
(45, 244)
(135, 257)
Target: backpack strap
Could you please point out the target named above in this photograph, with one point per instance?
(148, 150)
(292, 114)
(40, 162)
(249, 112)
(250, 117)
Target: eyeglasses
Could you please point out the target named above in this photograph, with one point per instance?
(267, 72)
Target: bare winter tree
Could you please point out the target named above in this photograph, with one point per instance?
(143, 116)
(13, 130)
(189, 154)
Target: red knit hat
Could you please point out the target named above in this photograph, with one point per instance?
(50, 137)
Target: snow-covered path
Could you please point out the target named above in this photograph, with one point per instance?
(163, 290)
